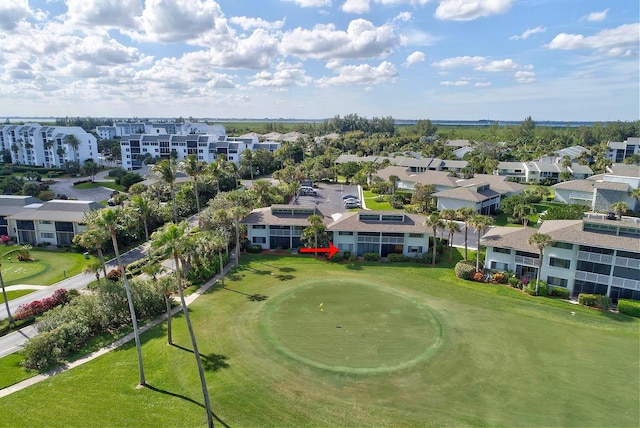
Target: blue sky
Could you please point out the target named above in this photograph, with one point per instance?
(572, 60)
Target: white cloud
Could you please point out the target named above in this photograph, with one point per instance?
(619, 41)
(104, 13)
(361, 40)
(482, 84)
(596, 16)
(363, 74)
(285, 75)
(311, 3)
(254, 52)
(12, 12)
(497, 66)
(181, 20)
(356, 6)
(103, 51)
(525, 76)
(454, 83)
(467, 10)
(528, 32)
(414, 58)
(249, 23)
(460, 61)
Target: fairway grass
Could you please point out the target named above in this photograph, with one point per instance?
(47, 267)
(452, 353)
(14, 294)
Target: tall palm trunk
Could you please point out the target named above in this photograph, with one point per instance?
(134, 320)
(237, 241)
(450, 246)
(195, 190)
(173, 200)
(538, 273)
(101, 257)
(167, 302)
(478, 251)
(6, 300)
(466, 240)
(194, 344)
(435, 247)
(221, 267)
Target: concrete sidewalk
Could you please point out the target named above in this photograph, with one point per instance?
(188, 300)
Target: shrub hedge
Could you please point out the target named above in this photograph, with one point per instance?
(561, 293)
(371, 257)
(465, 269)
(629, 307)
(543, 288)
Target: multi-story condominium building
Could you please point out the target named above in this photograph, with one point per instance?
(122, 129)
(207, 147)
(592, 255)
(49, 146)
(359, 232)
(539, 171)
(617, 151)
(32, 221)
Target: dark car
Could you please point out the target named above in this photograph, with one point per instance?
(345, 197)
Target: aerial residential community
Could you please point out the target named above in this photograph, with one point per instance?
(306, 213)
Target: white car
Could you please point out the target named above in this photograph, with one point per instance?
(306, 190)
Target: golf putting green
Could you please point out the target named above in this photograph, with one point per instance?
(352, 327)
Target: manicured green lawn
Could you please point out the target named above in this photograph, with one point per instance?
(395, 345)
(47, 268)
(95, 184)
(372, 204)
(14, 294)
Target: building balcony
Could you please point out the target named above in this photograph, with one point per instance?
(595, 257)
(527, 261)
(627, 262)
(630, 284)
(592, 277)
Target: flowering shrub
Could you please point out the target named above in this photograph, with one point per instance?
(500, 278)
(39, 307)
(478, 276)
(114, 275)
(5, 239)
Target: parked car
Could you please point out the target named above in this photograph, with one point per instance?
(349, 205)
(347, 196)
(351, 201)
(306, 190)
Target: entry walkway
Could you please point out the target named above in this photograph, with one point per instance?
(188, 300)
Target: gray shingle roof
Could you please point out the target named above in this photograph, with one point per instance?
(58, 210)
(413, 223)
(578, 185)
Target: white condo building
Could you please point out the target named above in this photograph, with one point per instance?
(48, 146)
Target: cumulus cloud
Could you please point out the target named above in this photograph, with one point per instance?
(525, 76)
(356, 6)
(104, 13)
(596, 16)
(619, 41)
(497, 66)
(482, 84)
(181, 20)
(248, 23)
(286, 75)
(363, 74)
(169, 74)
(528, 32)
(311, 3)
(103, 51)
(414, 58)
(13, 12)
(459, 61)
(468, 10)
(454, 82)
(361, 40)
(254, 52)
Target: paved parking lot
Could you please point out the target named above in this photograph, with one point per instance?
(329, 196)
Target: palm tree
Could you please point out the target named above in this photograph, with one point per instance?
(142, 206)
(73, 142)
(317, 227)
(193, 168)
(166, 287)
(452, 227)
(95, 266)
(94, 237)
(480, 223)
(170, 240)
(108, 219)
(434, 222)
(541, 241)
(393, 180)
(218, 241)
(635, 194)
(522, 212)
(465, 214)
(167, 171)
(448, 215)
(6, 300)
(238, 212)
(247, 156)
(619, 208)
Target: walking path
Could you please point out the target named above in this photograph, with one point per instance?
(188, 300)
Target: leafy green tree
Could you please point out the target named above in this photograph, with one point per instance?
(452, 227)
(90, 169)
(541, 241)
(73, 142)
(167, 172)
(31, 188)
(143, 207)
(522, 212)
(421, 196)
(94, 267)
(620, 208)
(480, 223)
(170, 241)
(193, 168)
(564, 212)
(434, 222)
(315, 235)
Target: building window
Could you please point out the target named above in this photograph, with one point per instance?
(258, 226)
(342, 233)
(416, 235)
(414, 249)
(561, 263)
(564, 245)
(499, 265)
(557, 282)
(259, 240)
(45, 222)
(600, 268)
(501, 250)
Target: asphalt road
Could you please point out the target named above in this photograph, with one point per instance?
(329, 196)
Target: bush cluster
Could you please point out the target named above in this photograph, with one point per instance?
(478, 276)
(64, 329)
(39, 307)
(465, 269)
(595, 300)
(515, 282)
(254, 248)
(371, 257)
(114, 274)
(559, 292)
(397, 258)
(629, 307)
(500, 278)
(543, 288)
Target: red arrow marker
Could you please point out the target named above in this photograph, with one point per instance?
(332, 250)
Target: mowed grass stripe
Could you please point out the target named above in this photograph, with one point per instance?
(505, 359)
